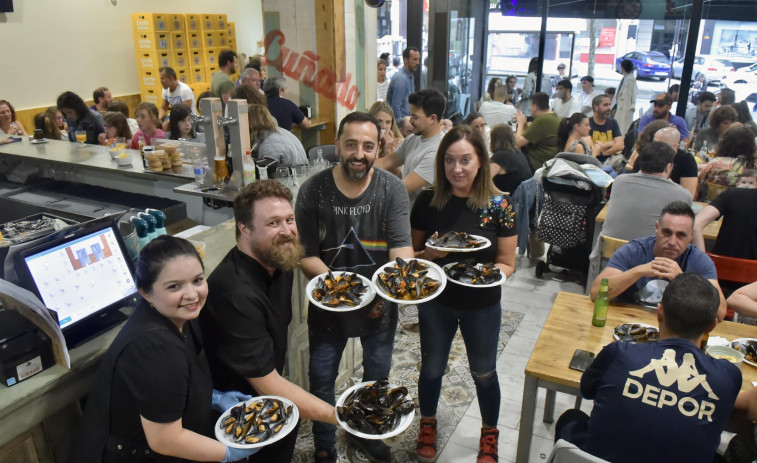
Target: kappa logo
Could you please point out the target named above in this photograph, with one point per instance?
(685, 376)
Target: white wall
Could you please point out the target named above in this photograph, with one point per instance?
(50, 46)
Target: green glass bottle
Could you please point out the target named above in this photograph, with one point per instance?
(601, 303)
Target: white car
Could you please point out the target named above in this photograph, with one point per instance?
(713, 69)
(745, 75)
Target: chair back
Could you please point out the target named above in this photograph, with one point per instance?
(329, 153)
(734, 269)
(565, 452)
(579, 158)
(610, 245)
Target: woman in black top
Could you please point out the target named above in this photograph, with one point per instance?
(463, 199)
(153, 394)
(509, 166)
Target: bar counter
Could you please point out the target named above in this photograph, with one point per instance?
(91, 164)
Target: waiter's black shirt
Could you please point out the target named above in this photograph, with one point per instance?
(245, 321)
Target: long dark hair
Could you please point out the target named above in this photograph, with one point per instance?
(73, 101)
(566, 127)
(492, 86)
(483, 186)
(153, 257)
(179, 112)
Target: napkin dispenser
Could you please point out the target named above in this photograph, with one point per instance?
(24, 349)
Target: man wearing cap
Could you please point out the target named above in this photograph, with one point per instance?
(673, 91)
(588, 93)
(661, 111)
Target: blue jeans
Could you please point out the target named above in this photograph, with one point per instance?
(480, 330)
(325, 355)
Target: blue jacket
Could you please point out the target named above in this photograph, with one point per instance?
(400, 88)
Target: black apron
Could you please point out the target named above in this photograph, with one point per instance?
(96, 442)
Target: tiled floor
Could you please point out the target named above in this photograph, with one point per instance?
(533, 297)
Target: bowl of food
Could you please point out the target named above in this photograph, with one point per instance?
(114, 152)
(123, 159)
(726, 353)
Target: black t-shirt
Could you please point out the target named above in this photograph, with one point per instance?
(604, 133)
(245, 321)
(354, 235)
(153, 370)
(285, 112)
(738, 232)
(516, 169)
(684, 166)
(497, 220)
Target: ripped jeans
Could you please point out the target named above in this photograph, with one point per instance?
(480, 330)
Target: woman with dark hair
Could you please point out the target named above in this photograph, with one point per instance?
(153, 396)
(734, 153)
(744, 116)
(509, 166)
(80, 117)
(573, 136)
(624, 101)
(720, 121)
(8, 123)
(121, 107)
(274, 142)
(115, 126)
(180, 125)
(462, 199)
(529, 87)
(512, 94)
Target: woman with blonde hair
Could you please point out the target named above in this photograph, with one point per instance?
(391, 137)
(272, 141)
(462, 199)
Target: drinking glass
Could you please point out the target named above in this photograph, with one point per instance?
(81, 137)
(284, 176)
(120, 142)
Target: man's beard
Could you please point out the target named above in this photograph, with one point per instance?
(355, 174)
(286, 258)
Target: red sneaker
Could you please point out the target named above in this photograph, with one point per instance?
(487, 446)
(426, 447)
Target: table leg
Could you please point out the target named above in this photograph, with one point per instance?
(549, 406)
(527, 411)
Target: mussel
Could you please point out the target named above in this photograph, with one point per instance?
(460, 240)
(634, 332)
(256, 422)
(748, 348)
(375, 408)
(343, 290)
(468, 272)
(407, 280)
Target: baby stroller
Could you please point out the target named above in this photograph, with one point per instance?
(567, 220)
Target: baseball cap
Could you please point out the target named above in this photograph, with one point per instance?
(662, 98)
(587, 79)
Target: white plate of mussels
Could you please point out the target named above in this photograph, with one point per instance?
(257, 422)
(404, 273)
(458, 242)
(340, 291)
(399, 409)
(472, 275)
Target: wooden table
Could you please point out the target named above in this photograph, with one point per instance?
(710, 232)
(568, 328)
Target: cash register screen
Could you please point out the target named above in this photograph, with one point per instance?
(82, 276)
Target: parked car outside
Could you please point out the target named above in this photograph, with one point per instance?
(745, 75)
(714, 70)
(646, 64)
